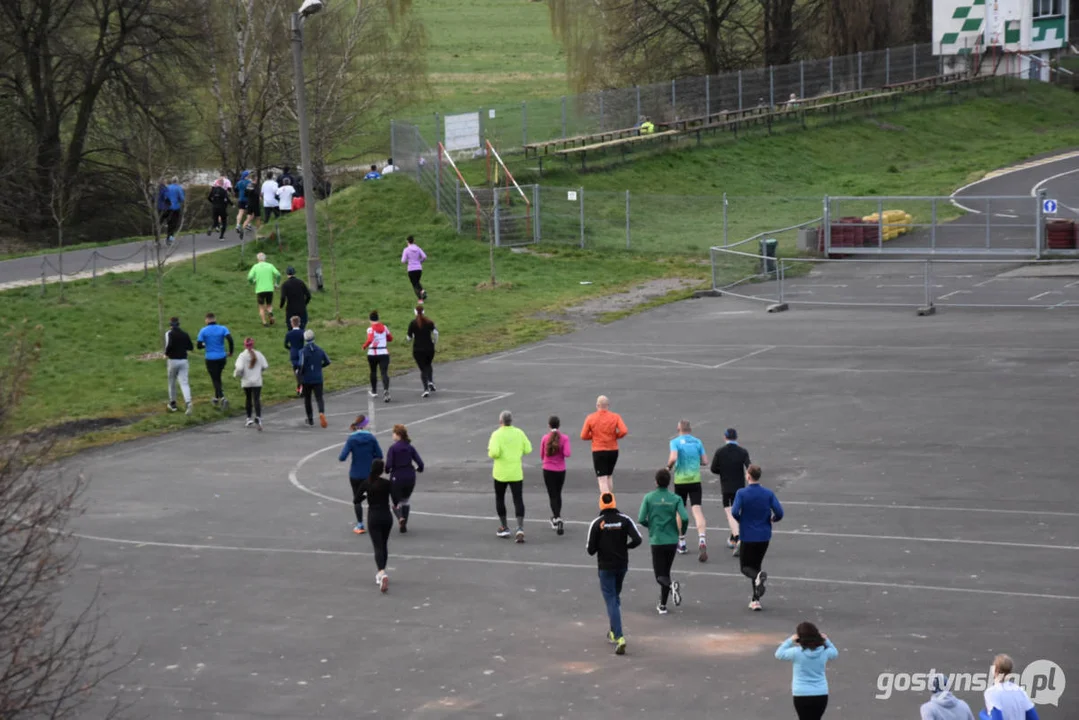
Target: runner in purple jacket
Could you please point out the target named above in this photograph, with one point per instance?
(414, 256)
(402, 463)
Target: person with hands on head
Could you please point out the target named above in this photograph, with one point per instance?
(604, 428)
(810, 652)
(212, 338)
(362, 446)
(755, 508)
(610, 538)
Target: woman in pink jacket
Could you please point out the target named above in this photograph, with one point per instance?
(554, 449)
(414, 256)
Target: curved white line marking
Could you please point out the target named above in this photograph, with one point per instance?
(1051, 178)
(1009, 171)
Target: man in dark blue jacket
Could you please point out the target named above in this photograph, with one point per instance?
(294, 343)
(755, 509)
(363, 446)
(312, 360)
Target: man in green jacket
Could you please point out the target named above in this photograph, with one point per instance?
(265, 277)
(659, 513)
(508, 445)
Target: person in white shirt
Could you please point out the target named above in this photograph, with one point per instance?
(249, 367)
(390, 167)
(1004, 699)
(270, 205)
(284, 197)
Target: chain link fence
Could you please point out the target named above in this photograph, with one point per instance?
(514, 125)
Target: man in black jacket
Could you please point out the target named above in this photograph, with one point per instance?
(610, 537)
(294, 297)
(177, 346)
(730, 463)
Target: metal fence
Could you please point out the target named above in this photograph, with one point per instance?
(514, 125)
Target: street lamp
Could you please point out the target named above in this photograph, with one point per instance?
(314, 265)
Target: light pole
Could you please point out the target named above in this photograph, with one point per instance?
(314, 264)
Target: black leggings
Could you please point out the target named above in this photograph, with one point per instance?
(253, 397)
(315, 389)
(215, 368)
(220, 219)
(401, 494)
(414, 278)
(358, 496)
(751, 559)
(379, 522)
(379, 363)
(810, 707)
(554, 480)
(518, 500)
(174, 222)
(423, 359)
(662, 562)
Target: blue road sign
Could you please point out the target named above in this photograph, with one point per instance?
(1049, 207)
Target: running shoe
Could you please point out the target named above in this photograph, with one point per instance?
(611, 638)
(554, 523)
(271, 317)
(215, 401)
(676, 593)
(172, 407)
(620, 646)
(359, 529)
(224, 403)
(737, 549)
(299, 390)
(682, 549)
(372, 393)
(661, 609)
(755, 605)
(258, 424)
(427, 393)
(503, 532)
(519, 536)
(211, 231)
(730, 542)
(190, 409)
(423, 295)
(238, 229)
(561, 529)
(384, 583)
(309, 422)
(249, 422)
(702, 552)
(762, 576)
(386, 396)
(431, 387)
(322, 420)
(402, 525)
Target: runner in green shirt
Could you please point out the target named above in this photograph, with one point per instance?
(507, 446)
(265, 278)
(660, 512)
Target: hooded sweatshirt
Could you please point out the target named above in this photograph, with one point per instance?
(414, 256)
(378, 336)
(945, 706)
(399, 462)
(250, 376)
(364, 448)
(808, 678)
(312, 360)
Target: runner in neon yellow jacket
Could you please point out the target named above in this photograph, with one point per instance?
(265, 277)
(507, 447)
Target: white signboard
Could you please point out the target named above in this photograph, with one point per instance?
(491, 113)
(572, 196)
(462, 131)
(998, 15)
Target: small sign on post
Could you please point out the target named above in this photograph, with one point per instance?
(571, 196)
(1049, 207)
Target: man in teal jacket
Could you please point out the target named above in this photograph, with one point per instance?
(508, 445)
(659, 513)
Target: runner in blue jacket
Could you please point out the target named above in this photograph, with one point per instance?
(363, 446)
(755, 509)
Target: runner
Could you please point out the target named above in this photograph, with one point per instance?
(177, 198)
(312, 360)
(402, 464)
(604, 428)
(295, 297)
(730, 463)
(294, 343)
(755, 508)
(686, 457)
(177, 346)
(270, 204)
(1004, 699)
(244, 194)
(264, 276)
(219, 203)
(414, 256)
(661, 511)
(810, 652)
(378, 355)
(554, 449)
(249, 367)
(610, 538)
(364, 448)
(423, 335)
(507, 447)
(213, 338)
(379, 520)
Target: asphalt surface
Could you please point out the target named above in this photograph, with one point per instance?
(925, 465)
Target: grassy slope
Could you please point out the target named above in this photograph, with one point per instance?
(91, 343)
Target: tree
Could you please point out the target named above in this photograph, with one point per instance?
(50, 663)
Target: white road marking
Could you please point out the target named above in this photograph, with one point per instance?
(1041, 295)
(985, 282)
(1008, 171)
(919, 285)
(953, 292)
(1005, 215)
(1038, 185)
(933, 508)
(744, 357)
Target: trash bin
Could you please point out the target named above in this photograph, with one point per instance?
(768, 255)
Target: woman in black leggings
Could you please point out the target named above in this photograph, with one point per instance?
(809, 650)
(379, 519)
(423, 335)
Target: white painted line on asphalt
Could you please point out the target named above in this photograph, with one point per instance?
(591, 567)
(953, 292)
(1005, 215)
(1041, 295)
(1008, 171)
(1060, 304)
(643, 357)
(744, 357)
(984, 282)
(1072, 284)
(501, 356)
(932, 508)
(1038, 185)
(918, 285)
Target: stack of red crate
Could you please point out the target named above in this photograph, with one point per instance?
(850, 232)
(1060, 234)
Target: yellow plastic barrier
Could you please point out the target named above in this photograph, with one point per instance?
(895, 223)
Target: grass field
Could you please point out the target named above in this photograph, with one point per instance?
(93, 342)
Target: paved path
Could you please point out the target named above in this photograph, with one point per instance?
(128, 257)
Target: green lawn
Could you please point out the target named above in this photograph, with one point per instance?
(92, 343)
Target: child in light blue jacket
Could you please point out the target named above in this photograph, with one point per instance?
(810, 652)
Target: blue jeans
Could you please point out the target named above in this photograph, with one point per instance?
(610, 584)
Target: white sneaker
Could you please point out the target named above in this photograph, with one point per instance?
(372, 393)
(249, 422)
(190, 409)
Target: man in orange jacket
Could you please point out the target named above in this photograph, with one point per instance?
(604, 428)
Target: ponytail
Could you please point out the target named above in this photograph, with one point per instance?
(554, 440)
(254, 358)
(421, 319)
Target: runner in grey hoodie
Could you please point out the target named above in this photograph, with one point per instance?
(943, 705)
